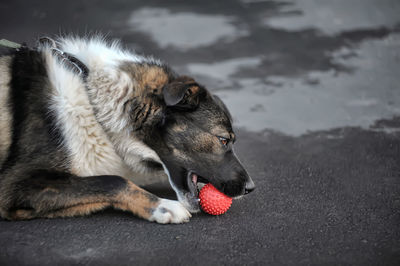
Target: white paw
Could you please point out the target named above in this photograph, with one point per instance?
(170, 211)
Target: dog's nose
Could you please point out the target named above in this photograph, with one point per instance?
(249, 187)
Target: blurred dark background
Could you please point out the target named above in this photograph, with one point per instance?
(313, 87)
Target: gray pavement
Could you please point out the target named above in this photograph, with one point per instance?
(314, 90)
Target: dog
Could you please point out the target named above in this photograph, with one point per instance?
(81, 117)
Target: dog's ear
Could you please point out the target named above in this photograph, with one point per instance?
(182, 92)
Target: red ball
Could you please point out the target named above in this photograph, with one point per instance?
(212, 201)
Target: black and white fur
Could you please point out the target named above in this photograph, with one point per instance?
(59, 128)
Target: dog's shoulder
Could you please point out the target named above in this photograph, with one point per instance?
(92, 115)
(95, 114)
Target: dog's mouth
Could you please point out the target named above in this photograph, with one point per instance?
(194, 184)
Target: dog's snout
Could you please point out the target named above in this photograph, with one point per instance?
(249, 186)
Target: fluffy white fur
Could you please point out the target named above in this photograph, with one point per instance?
(93, 150)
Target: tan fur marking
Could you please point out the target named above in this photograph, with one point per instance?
(79, 210)
(194, 89)
(150, 78)
(50, 189)
(21, 215)
(220, 131)
(132, 199)
(177, 153)
(179, 128)
(5, 116)
(136, 200)
(153, 79)
(232, 135)
(206, 143)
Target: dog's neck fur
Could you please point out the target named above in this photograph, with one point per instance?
(108, 91)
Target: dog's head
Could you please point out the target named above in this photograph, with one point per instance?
(195, 142)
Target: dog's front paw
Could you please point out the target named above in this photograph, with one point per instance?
(170, 211)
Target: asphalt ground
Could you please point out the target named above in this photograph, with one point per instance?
(313, 88)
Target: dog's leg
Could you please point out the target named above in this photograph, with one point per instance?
(44, 193)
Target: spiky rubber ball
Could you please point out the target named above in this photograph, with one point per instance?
(212, 201)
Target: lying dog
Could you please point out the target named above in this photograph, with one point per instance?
(81, 117)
